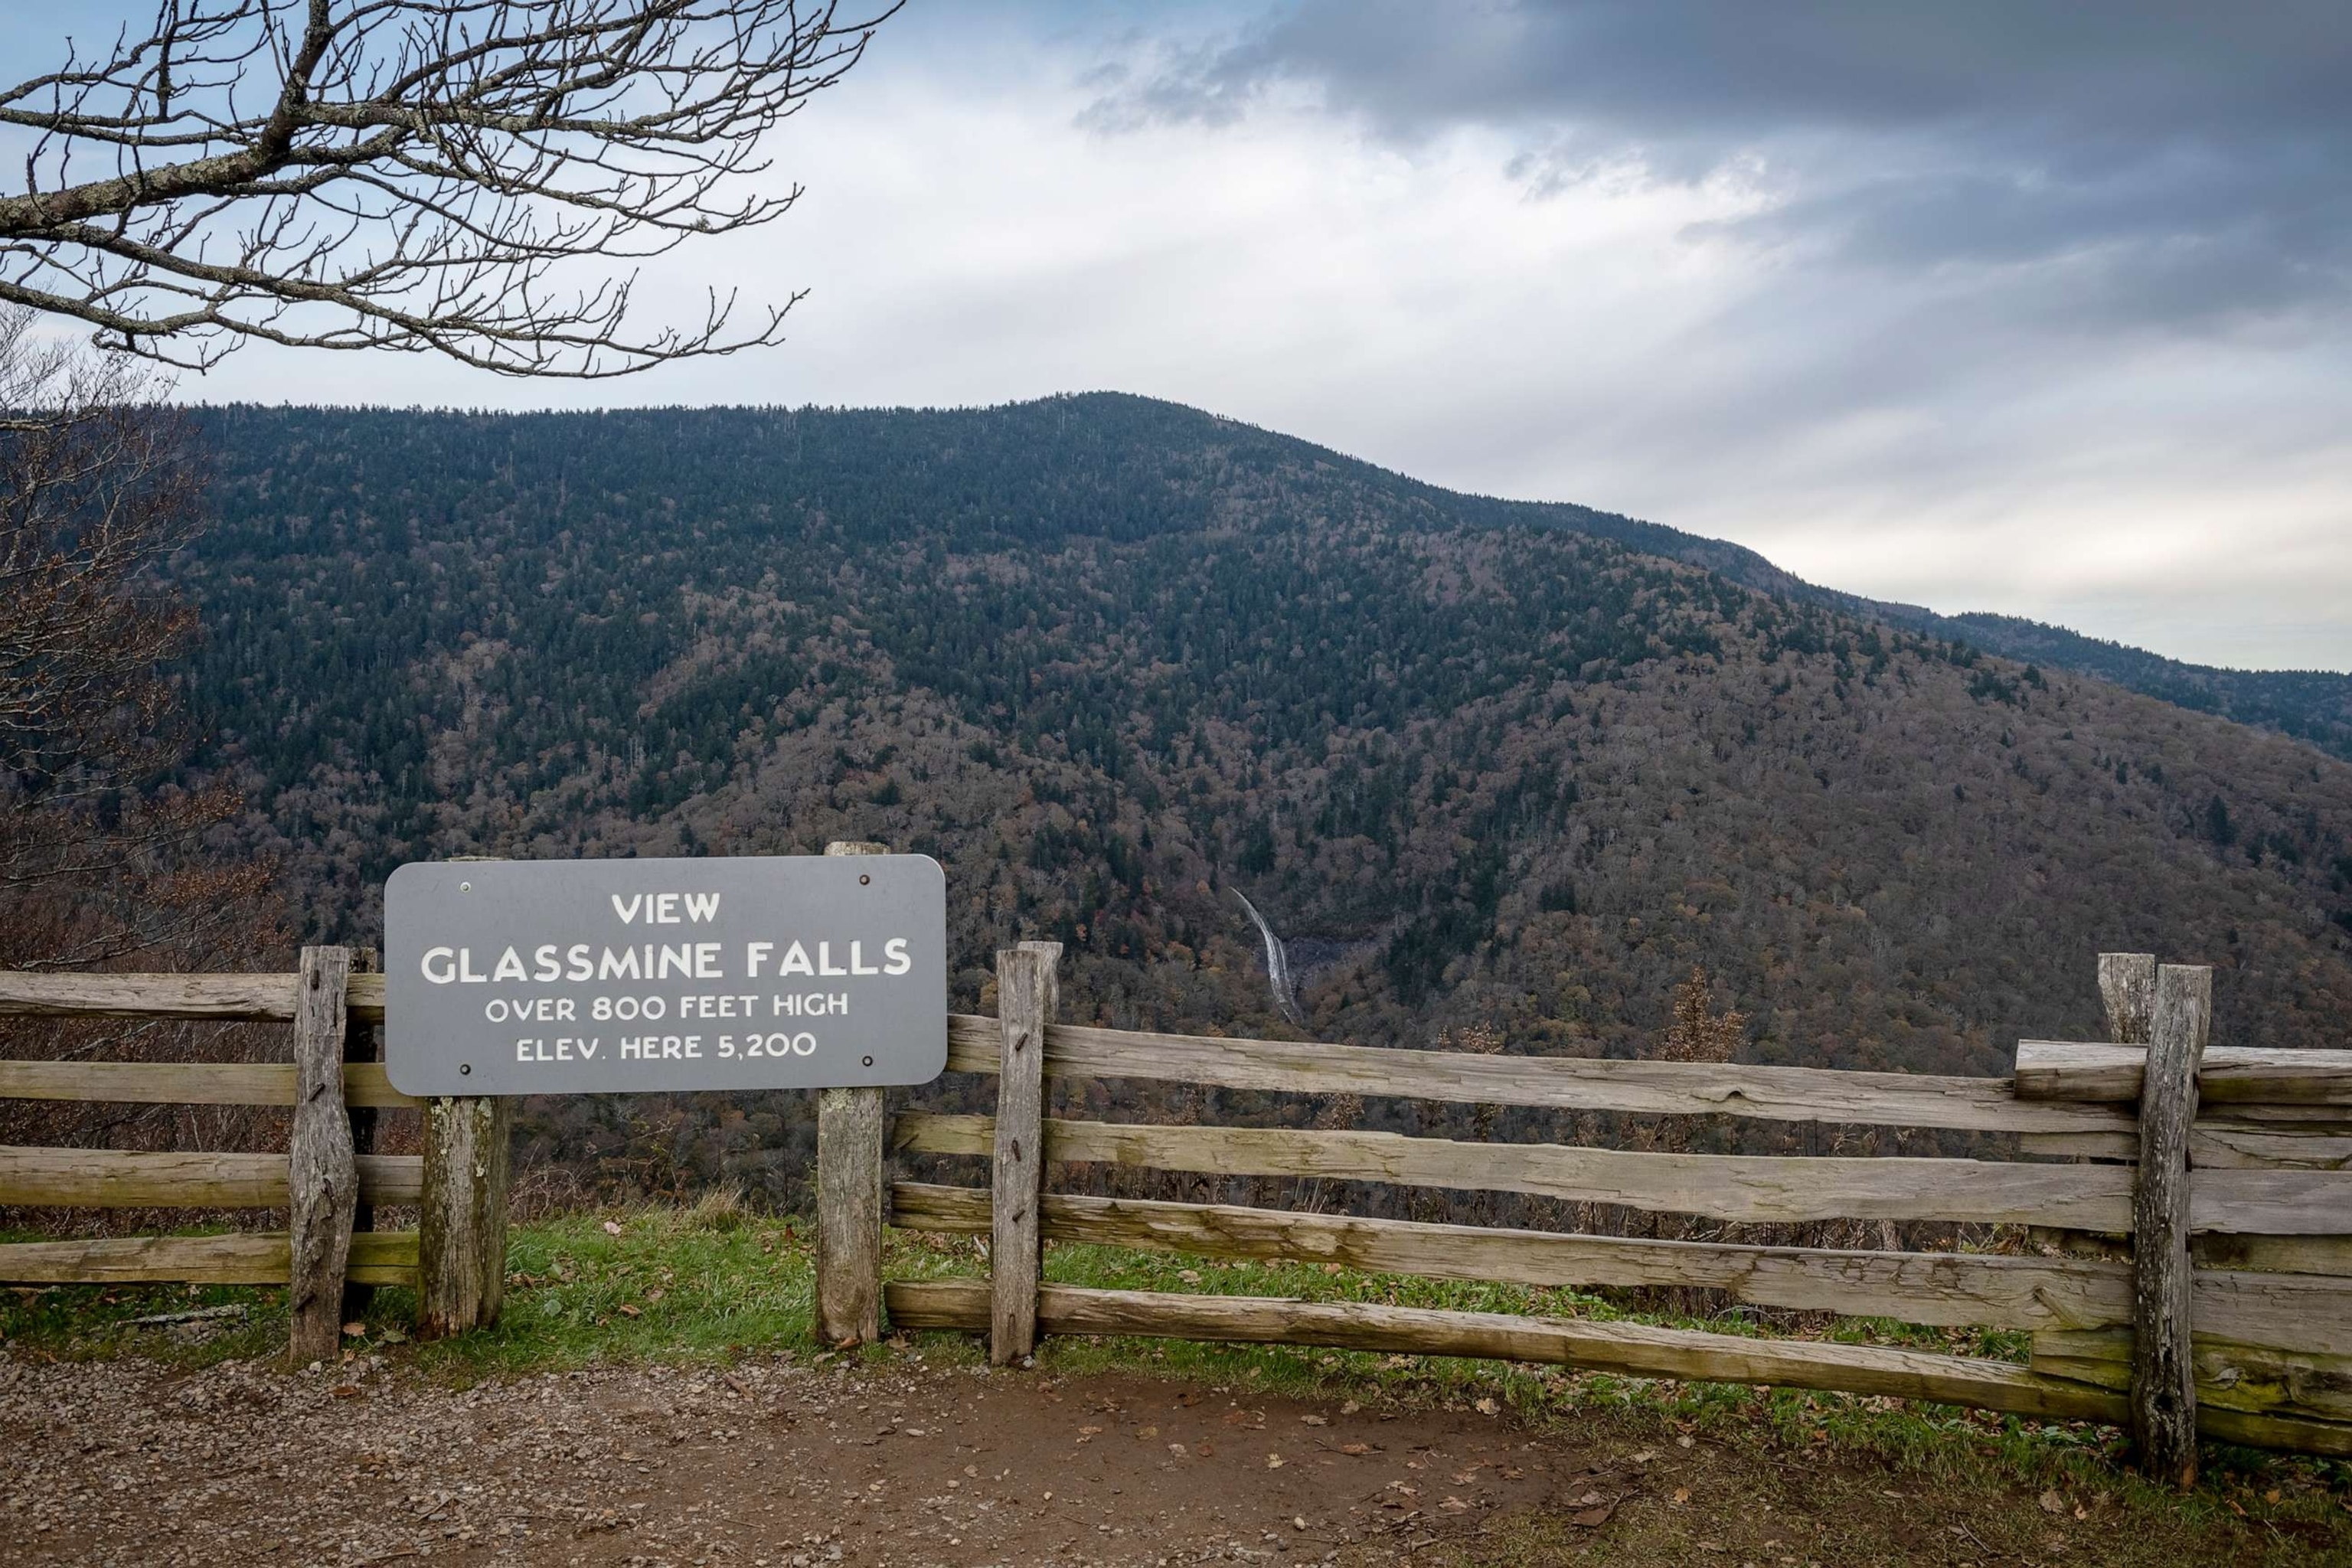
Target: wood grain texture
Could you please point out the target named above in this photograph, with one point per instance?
(377, 1258)
(1559, 1083)
(116, 1178)
(189, 1083)
(1749, 1188)
(1760, 1189)
(461, 1260)
(2213, 1146)
(849, 1132)
(322, 1169)
(1028, 995)
(2076, 1070)
(2229, 1376)
(2163, 1378)
(849, 1135)
(253, 997)
(2279, 1311)
(2127, 993)
(2312, 1255)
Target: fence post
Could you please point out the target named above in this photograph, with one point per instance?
(461, 1242)
(2128, 988)
(361, 1044)
(1028, 994)
(322, 1172)
(849, 1129)
(2164, 1377)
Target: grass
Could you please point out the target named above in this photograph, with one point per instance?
(709, 1283)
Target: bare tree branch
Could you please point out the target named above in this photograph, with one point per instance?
(420, 176)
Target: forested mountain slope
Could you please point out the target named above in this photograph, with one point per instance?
(1482, 763)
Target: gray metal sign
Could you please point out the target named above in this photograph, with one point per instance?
(610, 976)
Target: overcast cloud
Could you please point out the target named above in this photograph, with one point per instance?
(2038, 309)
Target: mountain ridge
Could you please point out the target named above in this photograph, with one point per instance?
(1104, 657)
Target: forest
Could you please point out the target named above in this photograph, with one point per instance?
(1491, 770)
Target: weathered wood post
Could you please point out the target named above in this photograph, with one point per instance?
(323, 1171)
(461, 1224)
(360, 1045)
(1028, 994)
(2127, 989)
(2164, 1377)
(849, 1129)
(461, 1242)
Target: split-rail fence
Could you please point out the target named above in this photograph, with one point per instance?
(2227, 1172)
(327, 1179)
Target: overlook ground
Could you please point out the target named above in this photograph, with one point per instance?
(650, 1400)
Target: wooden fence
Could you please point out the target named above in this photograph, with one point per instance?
(2227, 1172)
(2235, 1321)
(329, 1180)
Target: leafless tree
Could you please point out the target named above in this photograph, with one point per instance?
(423, 175)
(97, 489)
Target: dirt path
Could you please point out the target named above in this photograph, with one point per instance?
(777, 1466)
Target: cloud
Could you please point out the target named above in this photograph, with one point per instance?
(1815, 320)
(2188, 153)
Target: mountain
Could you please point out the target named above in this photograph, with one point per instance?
(1482, 764)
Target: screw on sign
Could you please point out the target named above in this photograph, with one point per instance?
(615, 976)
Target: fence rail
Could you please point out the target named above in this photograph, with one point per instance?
(326, 1179)
(1548, 1083)
(2251, 1341)
(1934, 1288)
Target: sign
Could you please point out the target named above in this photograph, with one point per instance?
(609, 976)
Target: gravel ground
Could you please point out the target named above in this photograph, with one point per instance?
(770, 1465)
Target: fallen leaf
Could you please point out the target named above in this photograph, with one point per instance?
(1147, 1431)
(1190, 1276)
(2053, 1503)
(345, 1391)
(1315, 1421)
(1453, 1505)
(1594, 1518)
(1331, 1268)
(1487, 1408)
(1645, 1455)
(1274, 1461)
(1355, 1447)
(629, 1311)
(1178, 1449)
(1682, 1495)
(2271, 1495)
(1090, 1431)
(1349, 1408)
(1204, 1450)
(612, 1227)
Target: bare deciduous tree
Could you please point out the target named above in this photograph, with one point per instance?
(97, 489)
(410, 175)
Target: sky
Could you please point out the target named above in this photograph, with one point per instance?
(2004, 306)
